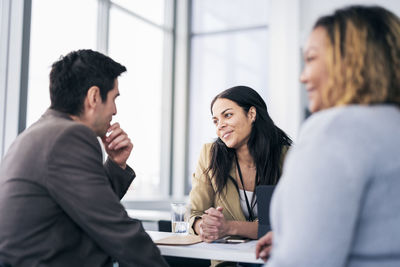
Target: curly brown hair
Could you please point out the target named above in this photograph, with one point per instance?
(363, 56)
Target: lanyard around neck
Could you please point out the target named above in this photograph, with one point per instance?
(249, 208)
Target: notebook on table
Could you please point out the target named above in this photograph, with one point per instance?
(179, 240)
(264, 195)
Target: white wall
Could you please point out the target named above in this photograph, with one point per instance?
(310, 10)
(284, 65)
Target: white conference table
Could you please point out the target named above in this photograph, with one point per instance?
(242, 252)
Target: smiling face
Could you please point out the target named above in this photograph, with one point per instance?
(315, 73)
(233, 125)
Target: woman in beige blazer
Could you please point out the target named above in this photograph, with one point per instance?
(248, 152)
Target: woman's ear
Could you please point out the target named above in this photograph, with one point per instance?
(252, 114)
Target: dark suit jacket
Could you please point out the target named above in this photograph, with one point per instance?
(59, 206)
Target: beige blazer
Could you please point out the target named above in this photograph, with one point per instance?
(204, 196)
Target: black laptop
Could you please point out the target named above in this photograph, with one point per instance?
(264, 195)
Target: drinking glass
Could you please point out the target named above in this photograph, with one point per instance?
(180, 213)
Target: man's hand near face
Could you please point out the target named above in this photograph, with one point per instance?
(118, 145)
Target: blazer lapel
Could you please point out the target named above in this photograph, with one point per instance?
(230, 198)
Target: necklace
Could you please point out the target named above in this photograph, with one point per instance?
(249, 208)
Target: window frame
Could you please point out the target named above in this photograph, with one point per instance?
(15, 26)
(14, 63)
(14, 44)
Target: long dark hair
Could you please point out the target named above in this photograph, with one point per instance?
(265, 144)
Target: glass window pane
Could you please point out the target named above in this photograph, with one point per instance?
(57, 27)
(152, 10)
(212, 15)
(218, 63)
(139, 107)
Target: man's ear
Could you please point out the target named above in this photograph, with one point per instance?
(93, 96)
(252, 114)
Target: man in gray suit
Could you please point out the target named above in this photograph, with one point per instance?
(59, 205)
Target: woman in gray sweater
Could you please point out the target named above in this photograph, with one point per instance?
(338, 201)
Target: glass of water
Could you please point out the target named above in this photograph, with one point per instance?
(180, 213)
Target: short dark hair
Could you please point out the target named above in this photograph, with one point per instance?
(73, 75)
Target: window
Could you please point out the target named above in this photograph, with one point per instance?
(228, 44)
(229, 48)
(140, 37)
(54, 33)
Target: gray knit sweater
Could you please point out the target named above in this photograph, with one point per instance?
(338, 202)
